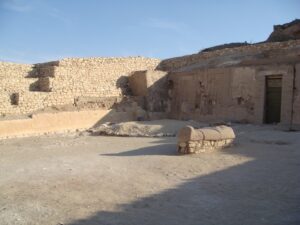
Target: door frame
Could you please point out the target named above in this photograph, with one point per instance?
(269, 77)
(287, 73)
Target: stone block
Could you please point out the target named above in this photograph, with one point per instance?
(192, 140)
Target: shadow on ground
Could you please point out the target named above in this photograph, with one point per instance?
(264, 190)
(164, 149)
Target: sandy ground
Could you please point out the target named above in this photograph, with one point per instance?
(133, 181)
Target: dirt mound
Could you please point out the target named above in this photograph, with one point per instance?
(155, 128)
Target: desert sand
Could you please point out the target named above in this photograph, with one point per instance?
(76, 179)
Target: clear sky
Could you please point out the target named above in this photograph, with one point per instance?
(42, 30)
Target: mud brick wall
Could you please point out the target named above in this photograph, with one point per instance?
(27, 88)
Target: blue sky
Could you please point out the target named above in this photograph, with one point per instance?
(42, 30)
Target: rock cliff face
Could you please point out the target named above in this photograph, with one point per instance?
(285, 32)
(246, 55)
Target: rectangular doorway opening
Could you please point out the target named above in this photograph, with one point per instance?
(273, 99)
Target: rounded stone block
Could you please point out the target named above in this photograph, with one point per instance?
(188, 133)
(217, 133)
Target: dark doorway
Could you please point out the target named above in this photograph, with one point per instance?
(273, 98)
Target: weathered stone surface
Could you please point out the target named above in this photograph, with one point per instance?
(62, 82)
(203, 146)
(285, 32)
(152, 85)
(192, 140)
(188, 133)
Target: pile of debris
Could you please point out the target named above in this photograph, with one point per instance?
(154, 128)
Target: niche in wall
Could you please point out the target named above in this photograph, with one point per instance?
(14, 99)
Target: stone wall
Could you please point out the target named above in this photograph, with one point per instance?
(45, 123)
(152, 87)
(14, 83)
(222, 85)
(27, 88)
(232, 94)
(214, 94)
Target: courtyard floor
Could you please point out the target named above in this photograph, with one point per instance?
(76, 180)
